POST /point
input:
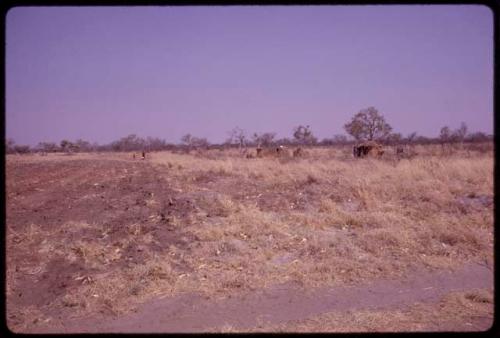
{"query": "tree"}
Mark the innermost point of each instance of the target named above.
(48, 147)
(154, 143)
(22, 149)
(284, 141)
(82, 145)
(128, 143)
(9, 146)
(186, 139)
(340, 139)
(303, 135)
(368, 124)
(477, 137)
(411, 137)
(66, 146)
(460, 133)
(237, 136)
(419, 139)
(264, 139)
(95, 146)
(445, 135)
(200, 142)
(194, 142)
(394, 138)
(337, 139)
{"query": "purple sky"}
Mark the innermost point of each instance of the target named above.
(103, 73)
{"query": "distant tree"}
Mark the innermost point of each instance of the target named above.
(264, 139)
(22, 149)
(368, 124)
(460, 134)
(411, 137)
(95, 146)
(9, 146)
(194, 142)
(82, 145)
(477, 137)
(419, 139)
(186, 139)
(200, 142)
(154, 143)
(237, 136)
(445, 135)
(337, 139)
(66, 146)
(187, 142)
(326, 142)
(48, 147)
(128, 143)
(303, 135)
(394, 138)
(284, 141)
(340, 139)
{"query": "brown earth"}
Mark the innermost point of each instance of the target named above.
(108, 192)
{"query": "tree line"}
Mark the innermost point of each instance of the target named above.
(367, 125)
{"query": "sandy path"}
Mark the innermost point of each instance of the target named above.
(192, 313)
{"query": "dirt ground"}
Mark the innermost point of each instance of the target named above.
(285, 308)
(108, 243)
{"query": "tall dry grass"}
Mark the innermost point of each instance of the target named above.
(358, 219)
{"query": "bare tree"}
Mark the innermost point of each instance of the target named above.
(187, 141)
(237, 136)
(368, 124)
(264, 139)
(194, 142)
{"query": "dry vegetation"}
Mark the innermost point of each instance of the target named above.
(102, 232)
(457, 311)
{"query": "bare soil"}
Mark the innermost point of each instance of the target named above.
(107, 192)
(190, 313)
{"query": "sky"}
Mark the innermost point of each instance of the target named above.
(101, 73)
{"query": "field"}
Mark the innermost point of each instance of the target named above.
(215, 242)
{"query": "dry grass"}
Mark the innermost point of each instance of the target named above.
(457, 311)
(366, 218)
(327, 219)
